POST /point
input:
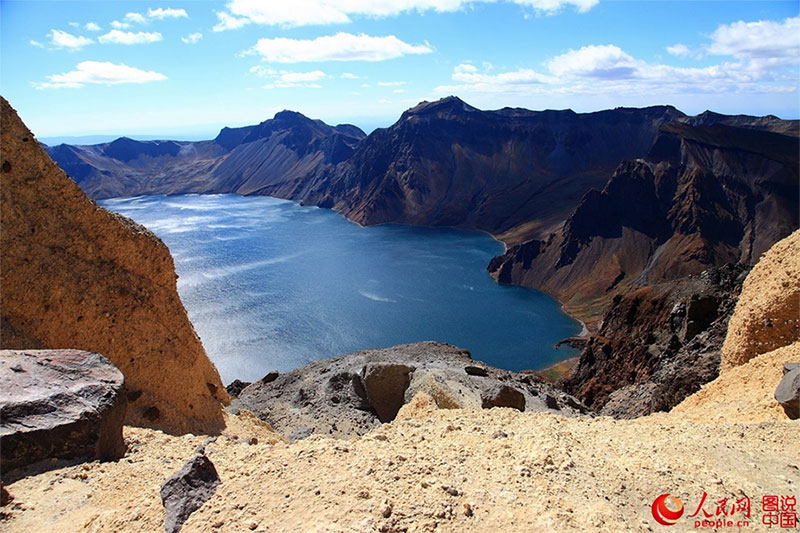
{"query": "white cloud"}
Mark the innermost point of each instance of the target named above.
(285, 79)
(37, 44)
(323, 12)
(162, 13)
(119, 25)
(399, 91)
(128, 37)
(339, 47)
(62, 39)
(608, 72)
(595, 61)
(551, 7)
(764, 39)
(100, 73)
(138, 18)
(92, 26)
(391, 83)
(349, 76)
(74, 24)
(192, 38)
(228, 22)
(679, 50)
(298, 77)
(472, 80)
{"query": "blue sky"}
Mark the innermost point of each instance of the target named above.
(185, 69)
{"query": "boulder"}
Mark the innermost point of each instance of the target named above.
(236, 387)
(186, 490)
(788, 392)
(386, 385)
(60, 404)
(503, 396)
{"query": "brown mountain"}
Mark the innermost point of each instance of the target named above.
(238, 160)
(704, 196)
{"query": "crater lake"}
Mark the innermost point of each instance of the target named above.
(272, 285)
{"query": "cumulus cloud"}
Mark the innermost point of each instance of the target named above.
(119, 25)
(679, 50)
(595, 61)
(192, 38)
(162, 13)
(391, 83)
(762, 39)
(99, 73)
(349, 76)
(128, 37)
(323, 12)
(471, 79)
(132, 17)
(62, 39)
(37, 44)
(756, 67)
(92, 26)
(339, 47)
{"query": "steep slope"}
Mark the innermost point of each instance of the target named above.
(767, 315)
(446, 163)
(76, 276)
(657, 344)
(705, 196)
(239, 160)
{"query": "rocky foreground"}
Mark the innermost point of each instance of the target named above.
(467, 469)
(447, 470)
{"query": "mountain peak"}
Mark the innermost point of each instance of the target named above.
(450, 105)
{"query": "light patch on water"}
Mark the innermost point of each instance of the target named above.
(375, 298)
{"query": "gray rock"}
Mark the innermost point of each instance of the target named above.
(788, 393)
(788, 367)
(186, 490)
(473, 370)
(236, 387)
(331, 396)
(386, 385)
(502, 396)
(59, 404)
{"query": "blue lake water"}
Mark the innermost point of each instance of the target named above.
(272, 285)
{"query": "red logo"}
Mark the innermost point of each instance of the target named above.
(664, 515)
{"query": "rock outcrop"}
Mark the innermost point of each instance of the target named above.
(704, 196)
(77, 276)
(352, 394)
(657, 344)
(59, 404)
(767, 315)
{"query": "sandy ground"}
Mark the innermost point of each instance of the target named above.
(448, 470)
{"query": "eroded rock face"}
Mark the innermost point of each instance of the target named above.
(78, 276)
(704, 196)
(767, 315)
(657, 344)
(59, 404)
(351, 394)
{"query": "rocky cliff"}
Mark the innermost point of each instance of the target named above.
(77, 276)
(704, 196)
(657, 344)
